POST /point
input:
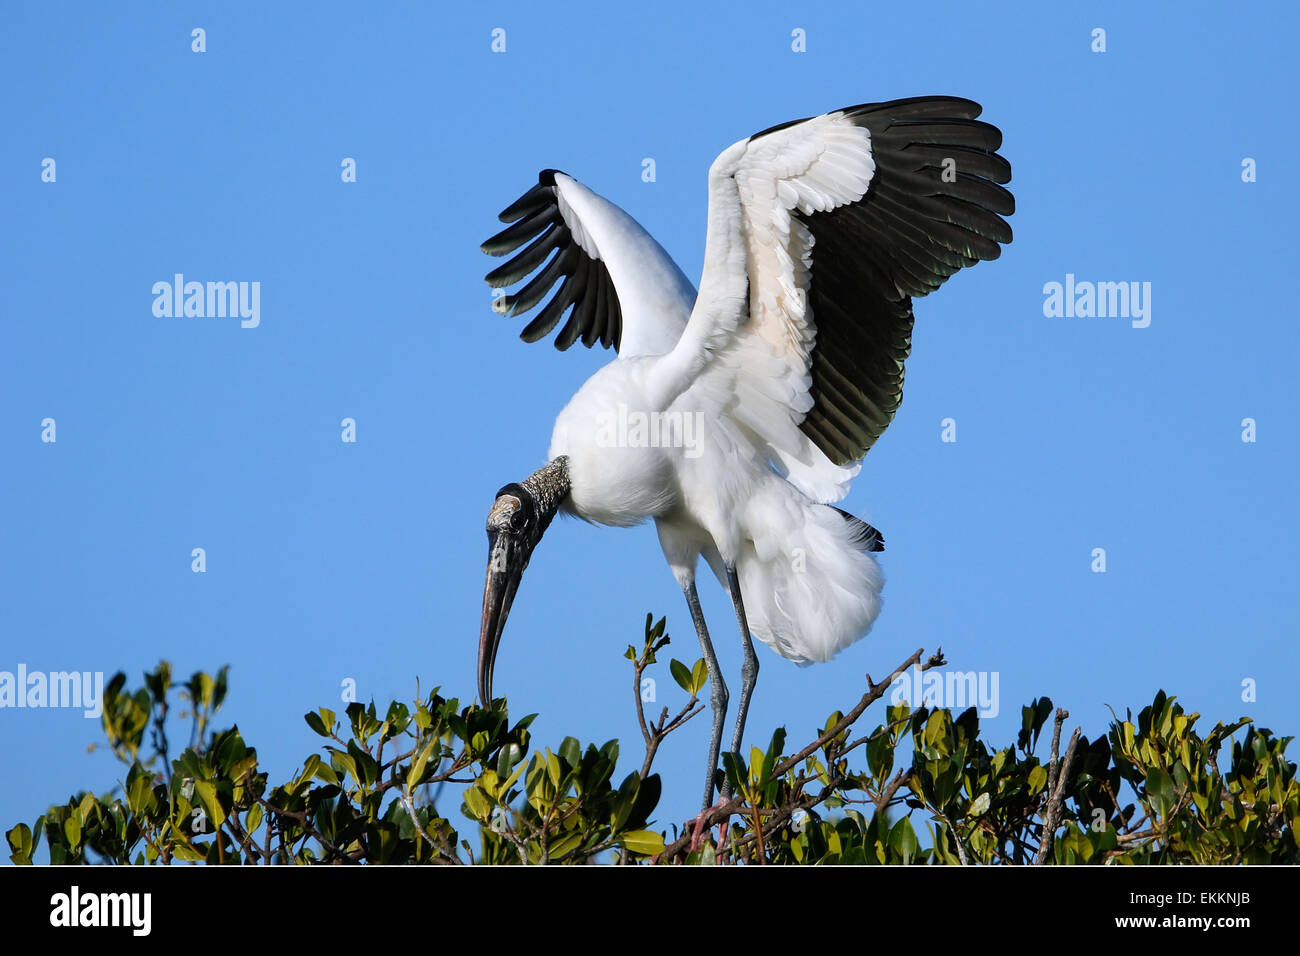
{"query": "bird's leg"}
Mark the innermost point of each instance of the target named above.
(748, 672)
(717, 688)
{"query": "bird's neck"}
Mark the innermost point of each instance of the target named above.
(548, 486)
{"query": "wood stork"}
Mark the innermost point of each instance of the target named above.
(789, 358)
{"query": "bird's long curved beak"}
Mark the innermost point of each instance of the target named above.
(507, 557)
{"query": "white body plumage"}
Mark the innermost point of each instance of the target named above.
(810, 590)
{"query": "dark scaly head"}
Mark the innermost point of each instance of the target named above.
(518, 519)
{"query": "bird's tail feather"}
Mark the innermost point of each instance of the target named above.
(810, 584)
(867, 537)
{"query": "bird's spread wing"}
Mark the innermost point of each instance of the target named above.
(619, 287)
(820, 232)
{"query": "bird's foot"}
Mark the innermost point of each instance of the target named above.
(699, 829)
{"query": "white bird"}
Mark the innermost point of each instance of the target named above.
(734, 416)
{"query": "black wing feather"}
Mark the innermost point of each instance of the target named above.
(904, 238)
(587, 293)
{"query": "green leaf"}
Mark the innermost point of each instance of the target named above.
(415, 775)
(479, 806)
(934, 729)
(571, 751)
(309, 768)
(880, 755)
(902, 840)
(139, 792)
(326, 773)
(207, 793)
(734, 766)
(624, 802)
(182, 851)
(646, 842)
(1037, 779)
(423, 719)
(1160, 791)
(681, 674)
(316, 723)
(699, 677)
(20, 841)
(566, 844)
(553, 769)
(344, 764)
(773, 755)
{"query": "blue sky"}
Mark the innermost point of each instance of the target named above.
(329, 561)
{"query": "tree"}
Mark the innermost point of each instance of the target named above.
(1150, 791)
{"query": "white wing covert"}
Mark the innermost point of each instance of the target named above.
(620, 288)
(820, 231)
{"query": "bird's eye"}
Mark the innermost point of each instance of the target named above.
(518, 519)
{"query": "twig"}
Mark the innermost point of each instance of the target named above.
(1057, 777)
(405, 797)
(1061, 717)
(883, 799)
(956, 838)
(873, 694)
(300, 817)
(654, 734)
(638, 667)
(780, 816)
(660, 731)
(725, 808)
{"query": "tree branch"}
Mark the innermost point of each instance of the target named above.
(1056, 780)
